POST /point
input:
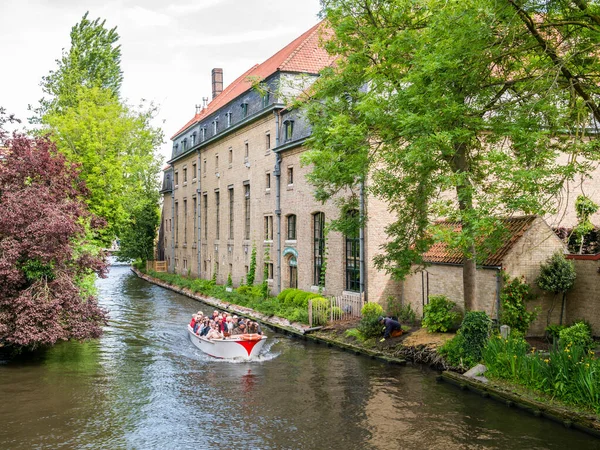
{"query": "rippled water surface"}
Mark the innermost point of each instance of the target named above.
(143, 385)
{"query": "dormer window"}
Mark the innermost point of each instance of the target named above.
(193, 138)
(288, 130)
(244, 109)
(215, 126)
(228, 119)
(203, 133)
(265, 99)
(183, 145)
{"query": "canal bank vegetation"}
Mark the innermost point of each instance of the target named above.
(290, 304)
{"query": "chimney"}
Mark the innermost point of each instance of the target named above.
(217, 82)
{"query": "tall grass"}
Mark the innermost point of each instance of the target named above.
(569, 373)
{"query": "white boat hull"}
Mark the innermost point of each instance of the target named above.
(230, 348)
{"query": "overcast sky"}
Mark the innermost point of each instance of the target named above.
(168, 47)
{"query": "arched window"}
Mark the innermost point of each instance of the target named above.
(319, 246)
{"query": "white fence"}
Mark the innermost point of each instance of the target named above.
(342, 307)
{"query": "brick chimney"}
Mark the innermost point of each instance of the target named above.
(217, 82)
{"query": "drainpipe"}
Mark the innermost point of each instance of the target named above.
(361, 238)
(277, 173)
(173, 219)
(198, 191)
(498, 289)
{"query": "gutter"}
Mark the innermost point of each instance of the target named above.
(277, 173)
(198, 214)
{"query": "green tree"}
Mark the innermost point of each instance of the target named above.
(138, 233)
(584, 208)
(426, 98)
(557, 275)
(114, 143)
(115, 146)
(93, 60)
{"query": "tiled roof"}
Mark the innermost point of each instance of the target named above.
(303, 55)
(515, 228)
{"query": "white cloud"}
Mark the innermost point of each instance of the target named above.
(194, 7)
(145, 18)
(210, 40)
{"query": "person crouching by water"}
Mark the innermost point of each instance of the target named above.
(392, 327)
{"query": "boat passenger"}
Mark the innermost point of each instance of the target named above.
(254, 328)
(228, 326)
(193, 321)
(207, 328)
(214, 333)
(240, 329)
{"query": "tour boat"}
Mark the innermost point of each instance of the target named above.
(242, 346)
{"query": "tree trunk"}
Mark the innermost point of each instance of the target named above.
(464, 193)
(562, 308)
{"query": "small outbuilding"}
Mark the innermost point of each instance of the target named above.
(527, 243)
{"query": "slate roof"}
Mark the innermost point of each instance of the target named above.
(303, 55)
(515, 226)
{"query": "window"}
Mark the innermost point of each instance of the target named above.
(183, 145)
(231, 212)
(293, 272)
(353, 257)
(193, 139)
(176, 223)
(184, 175)
(247, 211)
(291, 227)
(176, 179)
(246, 151)
(267, 141)
(268, 228)
(215, 126)
(268, 181)
(230, 155)
(203, 133)
(217, 214)
(228, 115)
(288, 130)
(216, 162)
(194, 172)
(204, 167)
(290, 175)
(319, 246)
(195, 218)
(184, 264)
(269, 269)
(184, 222)
(205, 216)
(244, 109)
(265, 98)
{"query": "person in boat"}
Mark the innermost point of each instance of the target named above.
(201, 325)
(214, 333)
(207, 327)
(193, 321)
(254, 328)
(240, 329)
(392, 327)
(228, 326)
(215, 314)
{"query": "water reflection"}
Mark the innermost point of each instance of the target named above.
(145, 385)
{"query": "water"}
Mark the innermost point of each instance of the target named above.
(143, 385)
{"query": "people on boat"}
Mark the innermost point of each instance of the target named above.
(222, 325)
(392, 327)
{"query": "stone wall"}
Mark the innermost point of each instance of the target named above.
(583, 301)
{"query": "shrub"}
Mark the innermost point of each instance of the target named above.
(229, 280)
(557, 275)
(577, 335)
(553, 332)
(440, 314)
(467, 346)
(356, 334)
(320, 310)
(289, 298)
(281, 296)
(372, 309)
(404, 313)
(513, 298)
(300, 300)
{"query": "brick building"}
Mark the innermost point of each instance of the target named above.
(235, 182)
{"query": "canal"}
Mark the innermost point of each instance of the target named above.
(143, 385)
